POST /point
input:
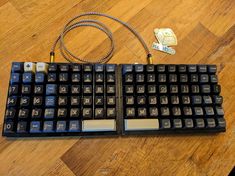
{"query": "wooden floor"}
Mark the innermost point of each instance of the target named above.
(205, 31)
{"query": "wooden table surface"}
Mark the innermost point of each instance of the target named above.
(205, 32)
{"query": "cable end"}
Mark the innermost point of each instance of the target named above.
(150, 59)
(52, 56)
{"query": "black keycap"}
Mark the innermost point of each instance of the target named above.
(38, 89)
(210, 122)
(177, 123)
(75, 89)
(63, 89)
(26, 89)
(99, 89)
(63, 77)
(74, 113)
(221, 122)
(87, 78)
(171, 68)
(204, 78)
(87, 100)
(140, 89)
(10, 113)
(185, 99)
(51, 77)
(12, 101)
(187, 111)
(166, 123)
(129, 89)
(162, 89)
(163, 100)
(212, 68)
(142, 112)
(161, 78)
(23, 113)
(216, 89)
(75, 101)
(183, 78)
(9, 127)
(99, 112)
(110, 89)
(195, 89)
(165, 111)
(152, 100)
(188, 123)
(110, 68)
(174, 100)
(63, 101)
(209, 111)
(99, 101)
(22, 127)
(182, 68)
(36, 113)
(200, 123)
(130, 112)
(76, 67)
(161, 68)
(37, 101)
(76, 78)
(140, 78)
(110, 78)
(127, 68)
(87, 89)
(151, 78)
(150, 68)
(52, 67)
(202, 68)
(13, 89)
(141, 100)
(192, 68)
(207, 99)
(174, 89)
(172, 78)
(139, 68)
(219, 111)
(87, 67)
(151, 89)
(111, 112)
(130, 100)
(153, 112)
(198, 111)
(87, 113)
(111, 100)
(24, 101)
(196, 99)
(194, 78)
(218, 99)
(64, 68)
(62, 113)
(176, 111)
(213, 78)
(99, 78)
(184, 89)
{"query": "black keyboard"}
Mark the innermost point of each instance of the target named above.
(64, 99)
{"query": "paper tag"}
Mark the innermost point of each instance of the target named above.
(165, 36)
(163, 48)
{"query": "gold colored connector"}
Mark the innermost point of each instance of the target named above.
(52, 57)
(150, 59)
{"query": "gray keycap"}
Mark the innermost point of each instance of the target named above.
(74, 126)
(209, 111)
(221, 122)
(207, 99)
(198, 111)
(219, 111)
(48, 127)
(177, 123)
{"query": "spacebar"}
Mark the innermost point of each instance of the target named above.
(98, 125)
(141, 124)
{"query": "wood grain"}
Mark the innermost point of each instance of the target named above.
(205, 31)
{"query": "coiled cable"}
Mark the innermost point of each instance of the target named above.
(69, 56)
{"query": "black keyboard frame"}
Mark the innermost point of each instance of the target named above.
(119, 119)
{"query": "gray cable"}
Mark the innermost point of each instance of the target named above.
(67, 54)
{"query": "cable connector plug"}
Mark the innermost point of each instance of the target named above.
(52, 56)
(150, 58)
